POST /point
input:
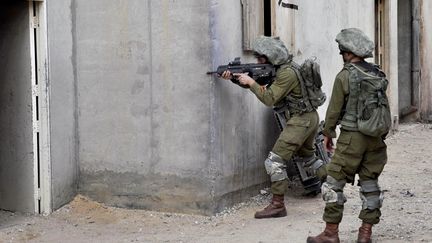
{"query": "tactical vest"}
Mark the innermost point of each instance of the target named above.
(367, 109)
(298, 104)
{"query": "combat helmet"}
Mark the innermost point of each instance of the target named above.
(273, 48)
(355, 41)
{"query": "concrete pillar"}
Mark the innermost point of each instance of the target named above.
(391, 56)
(426, 61)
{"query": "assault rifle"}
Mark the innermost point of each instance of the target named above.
(263, 74)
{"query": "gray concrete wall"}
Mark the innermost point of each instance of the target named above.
(405, 59)
(426, 61)
(16, 143)
(144, 103)
(242, 129)
(62, 82)
(318, 23)
(154, 131)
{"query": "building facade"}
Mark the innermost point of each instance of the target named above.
(111, 99)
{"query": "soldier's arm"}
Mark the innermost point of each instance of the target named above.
(283, 84)
(337, 100)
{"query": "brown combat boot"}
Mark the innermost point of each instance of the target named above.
(364, 234)
(274, 210)
(329, 235)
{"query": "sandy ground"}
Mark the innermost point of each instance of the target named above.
(407, 212)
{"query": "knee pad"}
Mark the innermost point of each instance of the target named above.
(332, 191)
(275, 167)
(371, 195)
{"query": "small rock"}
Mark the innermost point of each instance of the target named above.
(407, 193)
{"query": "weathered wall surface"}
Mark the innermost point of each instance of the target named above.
(405, 59)
(144, 103)
(154, 130)
(16, 145)
(61, 82)
(316, 27)
(426, 61)
(242, 129)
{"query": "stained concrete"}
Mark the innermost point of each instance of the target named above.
(426, 61)
(153, 126)
(63, 98)
(148, 111)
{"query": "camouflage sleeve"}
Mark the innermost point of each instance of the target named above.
(337, 101)
(283, 84)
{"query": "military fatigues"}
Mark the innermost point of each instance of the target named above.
(299, 134)
(355, 154)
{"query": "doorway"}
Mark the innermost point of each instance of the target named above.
(408, 59)
(24, 177)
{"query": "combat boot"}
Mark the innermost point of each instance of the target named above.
(365, 233)
(274, 210)
(329, 235)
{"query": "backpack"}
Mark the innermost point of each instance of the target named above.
(310, 79)
(373, 111)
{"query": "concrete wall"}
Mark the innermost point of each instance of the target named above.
(318, 23)
(391, 57)
(144, 103)
(242, 130)
(426, 62)
(405, 44)
(154, 130)
(136, 122)
(62, 82)
(16, 143)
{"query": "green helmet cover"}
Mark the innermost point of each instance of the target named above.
(273, 48)
(355, 41)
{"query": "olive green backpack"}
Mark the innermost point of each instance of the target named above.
(367, 103)
(310, 80)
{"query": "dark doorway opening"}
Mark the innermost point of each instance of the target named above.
(267, 18)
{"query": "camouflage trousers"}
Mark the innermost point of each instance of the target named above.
(356, 154)
(298, 137)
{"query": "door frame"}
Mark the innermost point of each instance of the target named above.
(386, 17)
(40, 106)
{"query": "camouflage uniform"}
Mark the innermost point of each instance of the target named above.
(355, 152)
(299, 134)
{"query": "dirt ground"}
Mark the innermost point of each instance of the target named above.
(407, 211)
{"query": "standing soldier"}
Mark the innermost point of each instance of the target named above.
(302, 124)
(356, 152)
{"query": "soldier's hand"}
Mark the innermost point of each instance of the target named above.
(328, 144)
(227, 75)
(244, 79)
